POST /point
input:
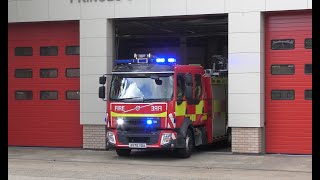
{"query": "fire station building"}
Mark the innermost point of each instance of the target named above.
(57, 49)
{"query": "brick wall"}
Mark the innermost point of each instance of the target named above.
(94, 137)
(246, 140)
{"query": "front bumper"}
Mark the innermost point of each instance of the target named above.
(153, 140)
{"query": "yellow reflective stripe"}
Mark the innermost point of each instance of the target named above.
(181, 109)
(113, 114)
(205, 117)
(216, 106)
(192, 117)
(199, 107)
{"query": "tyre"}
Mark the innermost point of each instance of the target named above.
(187, 151)
(123, 152)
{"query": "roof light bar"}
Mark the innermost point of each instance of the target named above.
(146, 58)
(160, 60)
(172, 60)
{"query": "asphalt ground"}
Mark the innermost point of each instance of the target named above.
(210, 162)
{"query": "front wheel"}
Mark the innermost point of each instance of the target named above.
(187, 151)
(123, 152)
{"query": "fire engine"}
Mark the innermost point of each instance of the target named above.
(154, 103)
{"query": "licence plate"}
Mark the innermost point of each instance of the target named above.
(137, 145)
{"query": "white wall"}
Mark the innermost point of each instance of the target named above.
(96, 56)
(246, 43)
(53, 10)
(246, 69)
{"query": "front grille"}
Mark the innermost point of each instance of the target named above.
(135, 122)
(138, 139)
(149, 138)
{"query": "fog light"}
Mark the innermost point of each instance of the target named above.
(111, 137)
(165, 139)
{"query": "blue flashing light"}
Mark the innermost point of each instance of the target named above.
(172, 60)
(149, 121)
(160, 60)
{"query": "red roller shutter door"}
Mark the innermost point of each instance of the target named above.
(288, 107)
(40, 113)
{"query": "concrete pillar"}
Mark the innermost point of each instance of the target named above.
(96, 59)
(246, 81)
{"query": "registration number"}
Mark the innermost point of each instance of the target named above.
(137, 145)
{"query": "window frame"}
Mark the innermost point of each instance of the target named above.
(294, 68)
(197, 99)
(73, 46)
(305, 67)
(305, 43)
(15, 51)
(294, 44)
(181, 75)
(294, 97)
(41, 91)
(305, 94)
(15, 74)
(31, 98)
(66, 95)
(48, 69)
(66, 73)
(41, 47)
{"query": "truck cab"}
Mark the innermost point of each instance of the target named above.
(153, 103)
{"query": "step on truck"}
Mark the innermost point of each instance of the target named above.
(154, 103)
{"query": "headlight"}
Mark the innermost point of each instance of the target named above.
(120, 121)
(165, 139)
(111, 137)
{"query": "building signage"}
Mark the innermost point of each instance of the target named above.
(92, 1)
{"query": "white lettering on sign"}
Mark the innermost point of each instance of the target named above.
(90, 1)
(156, 108)
(119, 108)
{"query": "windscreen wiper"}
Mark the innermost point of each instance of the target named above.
(131, 98)
(158, 99)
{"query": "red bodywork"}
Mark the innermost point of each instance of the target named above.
(166, 109)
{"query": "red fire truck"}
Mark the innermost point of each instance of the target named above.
(154, 103)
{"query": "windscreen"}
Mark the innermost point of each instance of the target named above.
(142, 87)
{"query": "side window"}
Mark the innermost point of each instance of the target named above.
(72, 50)
(23, 51)
(48, 95)
(180, 86)
(23, 73)
(308, 43)
(73, 95)
(24, 95)
(198, 88)
(73, 72)
(308, 68)
(308, 94)
(49, 51)
(282, 69)
(48, 73)
(282, 95)
(282, 44)
(189, 88)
